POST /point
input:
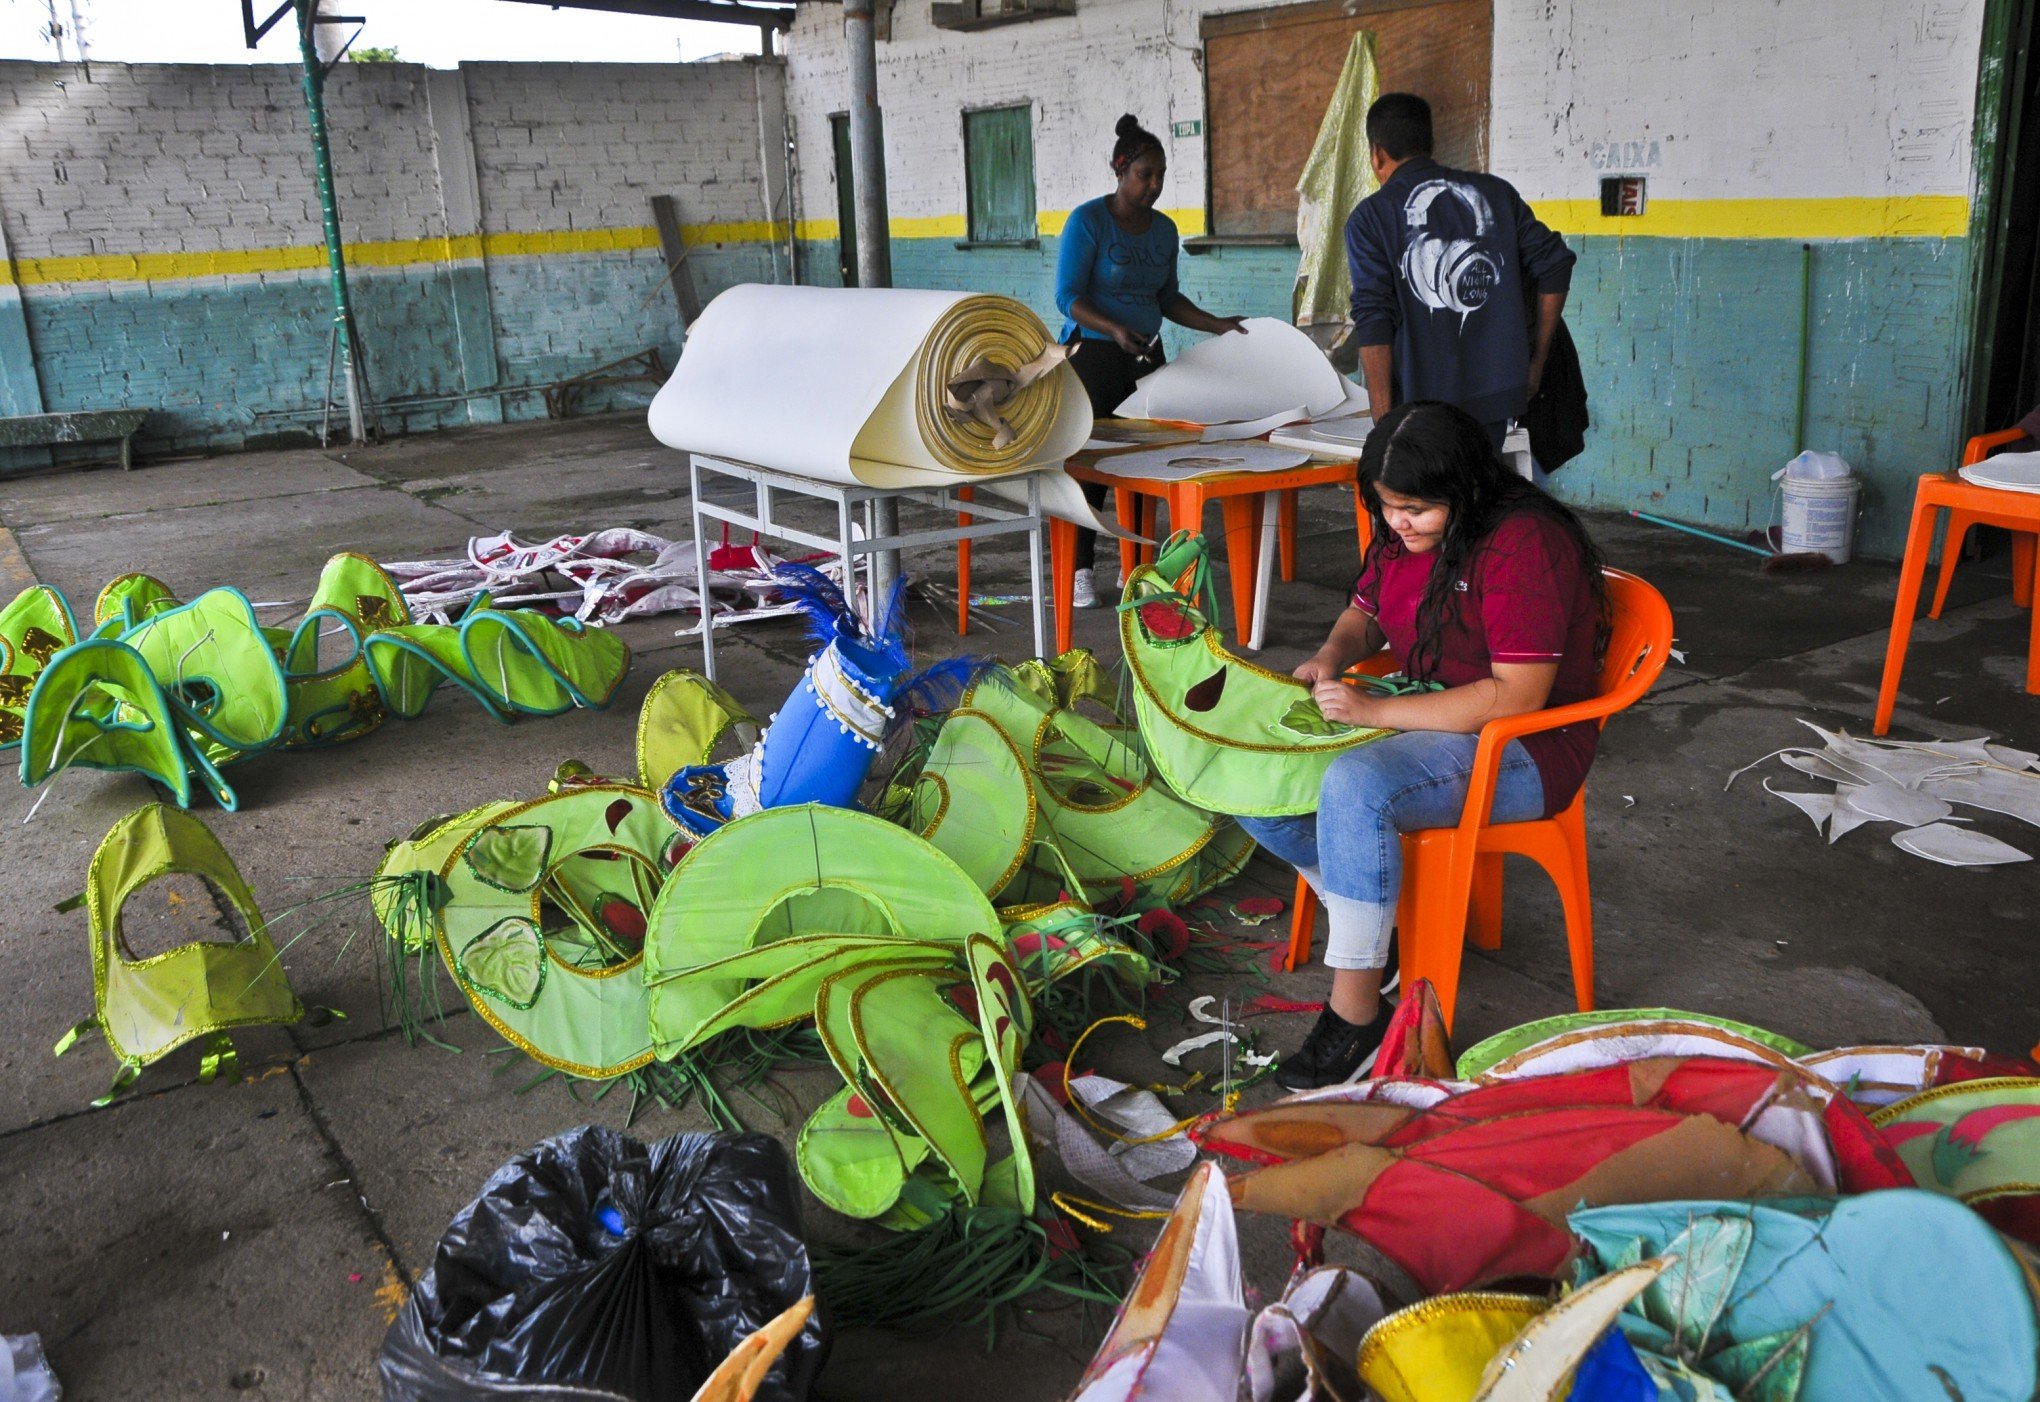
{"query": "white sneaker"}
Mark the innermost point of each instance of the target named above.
(1085, 593)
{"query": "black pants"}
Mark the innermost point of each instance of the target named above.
(1108, 374)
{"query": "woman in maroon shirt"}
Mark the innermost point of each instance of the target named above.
(1487, 589)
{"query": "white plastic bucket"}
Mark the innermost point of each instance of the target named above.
(1820, 516)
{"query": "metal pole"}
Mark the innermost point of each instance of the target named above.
(329, 218)
(874, 238)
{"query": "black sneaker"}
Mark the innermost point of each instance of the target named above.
(1335, 1053)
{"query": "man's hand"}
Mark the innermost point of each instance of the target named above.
(1348, 705)
(1230, 323)
(1536, 376)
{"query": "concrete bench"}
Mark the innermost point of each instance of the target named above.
(85, 426)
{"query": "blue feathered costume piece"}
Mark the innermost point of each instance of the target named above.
(820, 746)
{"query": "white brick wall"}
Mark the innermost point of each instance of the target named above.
(1737, 99)
(154, 158)
(1744, 99)
(1079, 73)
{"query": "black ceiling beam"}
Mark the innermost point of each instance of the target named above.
(714, 11)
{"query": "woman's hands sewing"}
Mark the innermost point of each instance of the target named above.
(1346, 704)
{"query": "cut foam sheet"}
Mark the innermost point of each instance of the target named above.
(1251, 428)
(1818, 806)
(845, 385)
(1957, 847)
(2009, 472)
(1340, 438)
(1198, 460)
(1888, 802)
(2006, 791)
(1234, 377)
(1846, 818)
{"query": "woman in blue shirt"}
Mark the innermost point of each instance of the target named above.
(1115, 281)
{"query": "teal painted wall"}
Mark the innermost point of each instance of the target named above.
(1691, 354)
(234, 361)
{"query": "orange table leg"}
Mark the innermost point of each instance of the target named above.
(1062, 564)
(1363, 521)
(2025, 554)
(2032, 581)
(1910, 575)
(1150, 519)
(963, 567)
(1127, 506)
(1285, 535)
(1242, 548)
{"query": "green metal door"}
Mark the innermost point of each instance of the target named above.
(998, 158)
(846, 202)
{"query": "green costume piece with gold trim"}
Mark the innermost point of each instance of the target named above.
(1227, 735)
(147, 1008)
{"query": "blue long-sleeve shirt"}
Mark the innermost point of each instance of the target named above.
(1126, 276)
(1440, 259)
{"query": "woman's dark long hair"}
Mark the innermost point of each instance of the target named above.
(1434, 452)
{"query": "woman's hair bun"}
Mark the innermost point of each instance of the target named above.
(1128, 126)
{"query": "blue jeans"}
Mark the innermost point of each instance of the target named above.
(1351, 848)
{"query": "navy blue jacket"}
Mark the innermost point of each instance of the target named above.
(1440, 259)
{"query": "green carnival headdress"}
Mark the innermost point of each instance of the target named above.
(1226, 735)
(147, 1008)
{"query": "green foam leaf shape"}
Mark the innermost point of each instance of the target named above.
(510, 857)
(507, 962)
(1304, 717)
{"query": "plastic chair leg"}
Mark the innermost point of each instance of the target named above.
(1575, 895)
(2033, 640)
(1302, 924)
(963, 568)
(1959, 523)
(2025, 554)
(1484, 911)
(1434, 941)
(1910, 574)
(1285, 535)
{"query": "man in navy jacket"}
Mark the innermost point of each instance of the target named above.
(1440, 260)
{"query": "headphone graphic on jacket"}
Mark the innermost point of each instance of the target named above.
(1449, 274)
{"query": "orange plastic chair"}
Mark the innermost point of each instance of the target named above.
(1959, 522)
(1969, 504)
(1452, 877)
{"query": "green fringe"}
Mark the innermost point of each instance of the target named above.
(961, 1269)
(740, 1061)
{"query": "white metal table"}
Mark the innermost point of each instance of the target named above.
(990, 516)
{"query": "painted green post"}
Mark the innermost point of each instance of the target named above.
(329, 217)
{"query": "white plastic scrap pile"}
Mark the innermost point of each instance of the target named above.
(608, 576)
(1917, 784)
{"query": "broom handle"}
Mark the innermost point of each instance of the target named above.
(1704, 535)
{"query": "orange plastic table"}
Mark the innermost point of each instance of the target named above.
(1240, 499)
(1983, 506)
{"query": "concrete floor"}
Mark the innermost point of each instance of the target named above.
(252, 1239)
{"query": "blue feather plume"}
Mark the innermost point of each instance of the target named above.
(819, 598)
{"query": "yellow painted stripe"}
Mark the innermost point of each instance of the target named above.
(1910, 216)
(392, 253)
(1900, 216)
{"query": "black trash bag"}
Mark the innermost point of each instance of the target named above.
(594, 1266)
